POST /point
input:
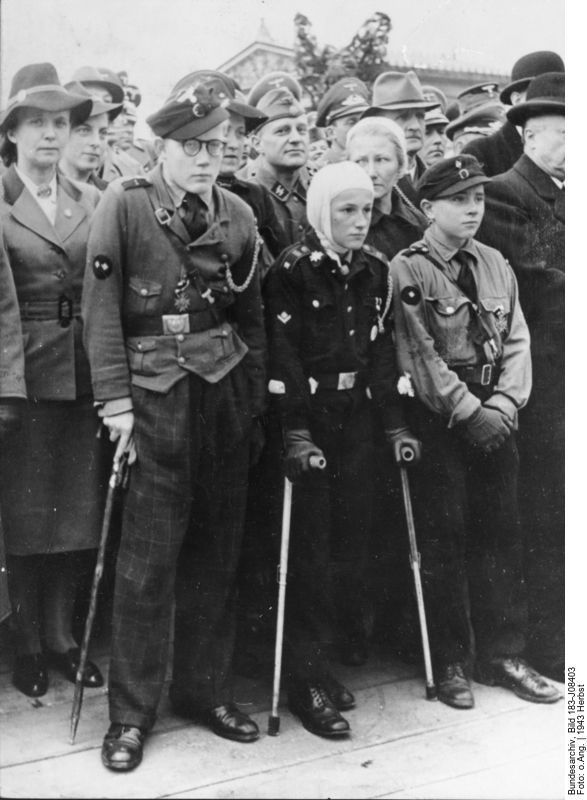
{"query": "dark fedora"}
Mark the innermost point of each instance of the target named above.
(98, 106)
(100, 76)
(38, 86)
(528, 67)
(396, 91)
(545, 95)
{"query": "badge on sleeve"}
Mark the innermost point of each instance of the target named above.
(411, 295)
(102, 267)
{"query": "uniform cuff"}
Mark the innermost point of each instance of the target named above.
(111, 408)
(464, 409)
(503, 403)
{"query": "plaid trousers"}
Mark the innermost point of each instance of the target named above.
(180, 545)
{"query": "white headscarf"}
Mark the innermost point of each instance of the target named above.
(327, 184)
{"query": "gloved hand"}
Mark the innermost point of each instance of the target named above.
(298, 449)
(11, 415)
(487, 428)
(257, 440)
(399, 439)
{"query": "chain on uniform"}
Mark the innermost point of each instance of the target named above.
(243, 286)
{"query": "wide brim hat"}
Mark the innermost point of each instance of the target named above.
(528, 67)
(450, 176)
(194, 109)
(545, 95)
(101, 77)
(396, 91)
(98, 106)
(38, 86)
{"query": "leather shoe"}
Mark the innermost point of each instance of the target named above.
(122, 748)
(517, 675)
(453, 686)
(67, 663)
(354, 653)
(316, 711)
(231, 723)
(342, 698)
(30, 675)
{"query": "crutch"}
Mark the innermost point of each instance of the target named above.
(407, 455)
(118, 477)
(316, 462)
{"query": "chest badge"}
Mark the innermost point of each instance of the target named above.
(284, 317)
(316, 256)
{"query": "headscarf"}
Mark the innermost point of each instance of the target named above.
(328, 183)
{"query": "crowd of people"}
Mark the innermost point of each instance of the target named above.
(258, 289)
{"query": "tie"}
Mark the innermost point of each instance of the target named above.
(465, 280)
(194, 216)
(44, 190)
(559, 205)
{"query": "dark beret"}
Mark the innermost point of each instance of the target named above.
(449, 176)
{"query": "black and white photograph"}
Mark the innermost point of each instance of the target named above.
(291, 497)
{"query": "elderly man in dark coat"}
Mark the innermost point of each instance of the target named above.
(499, 151)
(525, 220)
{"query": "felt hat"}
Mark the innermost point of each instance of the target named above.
(528, 67)
(101, 76)
(545, 95)
(396, 91)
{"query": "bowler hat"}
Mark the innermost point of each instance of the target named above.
(278, 104)
(195, 109)
(528, 67)
(98, 106)
(347, 96)
(478, 102)
(545, 95)
(395, 91)
(101, 76)
(274, 80)
(236, 99)
(449, 176)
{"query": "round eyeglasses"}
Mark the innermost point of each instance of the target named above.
(191, 147)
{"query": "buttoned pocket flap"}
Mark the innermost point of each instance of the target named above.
(447, 306)
(141, 345)
(144, 288)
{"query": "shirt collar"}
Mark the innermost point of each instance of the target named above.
(560, 184)
(33, 187)
(448, 252)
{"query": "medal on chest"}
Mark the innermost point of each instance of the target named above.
(182, 301)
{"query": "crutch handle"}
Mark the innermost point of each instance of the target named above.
(317, 462)
(407, 453)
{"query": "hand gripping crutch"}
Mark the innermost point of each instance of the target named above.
(408, 455)
(316, 462)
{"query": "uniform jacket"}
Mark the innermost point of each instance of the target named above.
(393, 232)
(499, 151)
(322, 323)
(290, 206)
(48, 266)
(434, 332)
(11, 351)
(118, 164)
(136, 258)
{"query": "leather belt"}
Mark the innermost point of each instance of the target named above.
(482, 374)
(173, 324)
(336, 380)
(62, 310)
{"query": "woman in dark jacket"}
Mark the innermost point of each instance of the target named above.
(50, 489)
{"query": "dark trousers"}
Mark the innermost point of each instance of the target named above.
(331, 522)
(181, 538)
(468, 532)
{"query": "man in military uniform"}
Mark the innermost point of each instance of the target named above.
(281, 142)
(337, 112)
(175, 337)
(462, 341)
(481, 114)
(435, 140)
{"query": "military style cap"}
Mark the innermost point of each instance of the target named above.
(102, 77)
(528, 67)
(545, 95)
(280, 103)
(37, 86)
(396, 91)
(274, 80)
(449, 176)
(479, 106)
(347, 96)
(236, 99)
(195, 109)
(435, 116)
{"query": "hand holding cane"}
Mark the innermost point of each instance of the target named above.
(314, 462)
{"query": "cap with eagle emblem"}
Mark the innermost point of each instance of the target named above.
(192, 110)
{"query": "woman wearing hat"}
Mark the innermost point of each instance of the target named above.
(50, 489)
(462, 339)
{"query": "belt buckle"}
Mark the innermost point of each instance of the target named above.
(486, 373)
(346, 380)
(64, 311)
(176, 323)
(163, 216)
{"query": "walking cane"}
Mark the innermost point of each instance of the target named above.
(407, 455)
(316, 462)
(118, 477)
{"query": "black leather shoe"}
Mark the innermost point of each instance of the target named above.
(30, 675)
(67, 663)
(317, 711)
(231, 723)
(122, 748)
(354, 653)
(342, 698)
(517, 675)
(453, 687)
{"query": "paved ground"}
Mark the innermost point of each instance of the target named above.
(402, 746)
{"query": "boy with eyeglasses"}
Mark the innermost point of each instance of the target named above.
(175, 337)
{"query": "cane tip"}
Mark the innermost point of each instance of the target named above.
(431, 693)
(273, 727)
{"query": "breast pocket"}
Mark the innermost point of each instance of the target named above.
(496, 311)
(450, 320)
(143, 296)
(320, 319)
